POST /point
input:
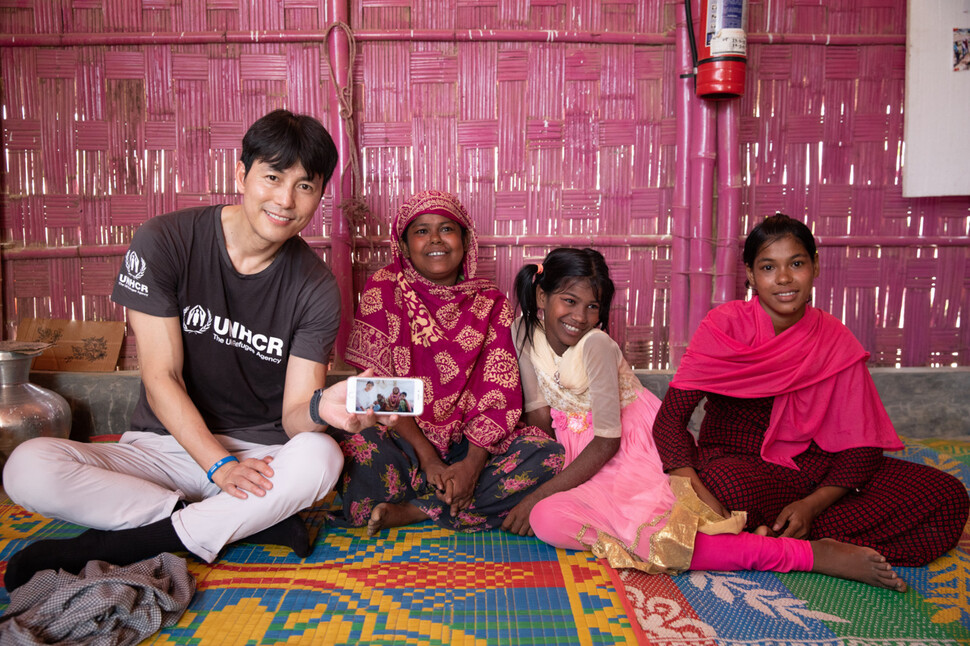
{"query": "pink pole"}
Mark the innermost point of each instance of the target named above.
(341, 262)
(82, 39)
(14, 254)
(625, 241)
(516, 35)
(318, 242)
(703, 157)
(73, 251)
(680, 209)
(242, 37)
(850, 40)
(728, 200)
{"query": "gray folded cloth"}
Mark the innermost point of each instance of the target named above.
(102, 605)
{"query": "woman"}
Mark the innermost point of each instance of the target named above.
(794, 430)
(394, 399)
(466, 461)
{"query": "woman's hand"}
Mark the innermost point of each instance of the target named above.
(428, 459)
(701, 490)
(434, 470)
(795, 520)
(460, 480)
(517, 522)
(252, 475)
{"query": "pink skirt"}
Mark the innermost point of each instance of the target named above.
(627, 505)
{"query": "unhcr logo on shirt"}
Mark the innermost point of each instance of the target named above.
(197, 319)
(135, 267)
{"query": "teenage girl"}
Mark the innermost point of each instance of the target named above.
(794, 430)
(613, 496)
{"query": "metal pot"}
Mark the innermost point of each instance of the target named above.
(27, 410)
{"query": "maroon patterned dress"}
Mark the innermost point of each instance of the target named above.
(457, 339)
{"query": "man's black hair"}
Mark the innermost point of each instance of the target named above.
(281, 139)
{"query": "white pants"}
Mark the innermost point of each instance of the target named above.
(140, 479)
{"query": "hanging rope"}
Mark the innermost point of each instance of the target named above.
(353, 206)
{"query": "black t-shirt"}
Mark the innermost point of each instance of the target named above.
(237, 330)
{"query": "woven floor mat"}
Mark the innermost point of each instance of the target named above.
(802, 609)
(416, 585)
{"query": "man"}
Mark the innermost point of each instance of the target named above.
(365, 401)
(234, 318)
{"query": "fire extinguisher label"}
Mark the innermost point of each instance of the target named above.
(728, 42)
(725, 27)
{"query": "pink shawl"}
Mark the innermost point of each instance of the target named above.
(456, 339)
(815, 370)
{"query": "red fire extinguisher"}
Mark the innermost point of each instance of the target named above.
(720, 49)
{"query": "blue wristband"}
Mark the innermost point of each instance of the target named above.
(215, 467)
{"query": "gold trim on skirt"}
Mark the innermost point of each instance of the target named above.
(672, 546)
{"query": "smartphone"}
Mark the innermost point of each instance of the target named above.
(385, 395)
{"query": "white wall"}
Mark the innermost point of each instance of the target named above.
(937, 109)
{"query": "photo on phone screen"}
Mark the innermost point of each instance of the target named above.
(385, 395)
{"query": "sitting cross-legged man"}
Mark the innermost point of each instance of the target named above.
(234, 317)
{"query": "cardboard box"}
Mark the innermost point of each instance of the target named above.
(79, 346)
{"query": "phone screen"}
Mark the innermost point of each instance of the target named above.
(385, 395)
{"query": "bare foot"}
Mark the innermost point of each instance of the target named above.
(855, 563)
(389, 514)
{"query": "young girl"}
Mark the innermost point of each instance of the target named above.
(613, 496)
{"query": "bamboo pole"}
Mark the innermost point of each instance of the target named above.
(543, 241)
(728, 200)
(317, 242)
(425, 35)
(342, 184)
(243, 37)
(703, 156)
(680, 209)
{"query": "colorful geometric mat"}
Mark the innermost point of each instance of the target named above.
(422, 585)
(755, 608)
(419, 585)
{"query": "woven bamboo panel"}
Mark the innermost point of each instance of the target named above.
(545, 142)
(99, 138)
(822, 131)
(162, 16)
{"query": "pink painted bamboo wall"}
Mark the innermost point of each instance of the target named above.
(549, 134)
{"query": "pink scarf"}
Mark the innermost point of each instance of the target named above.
(815, 370)
(456, 339)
